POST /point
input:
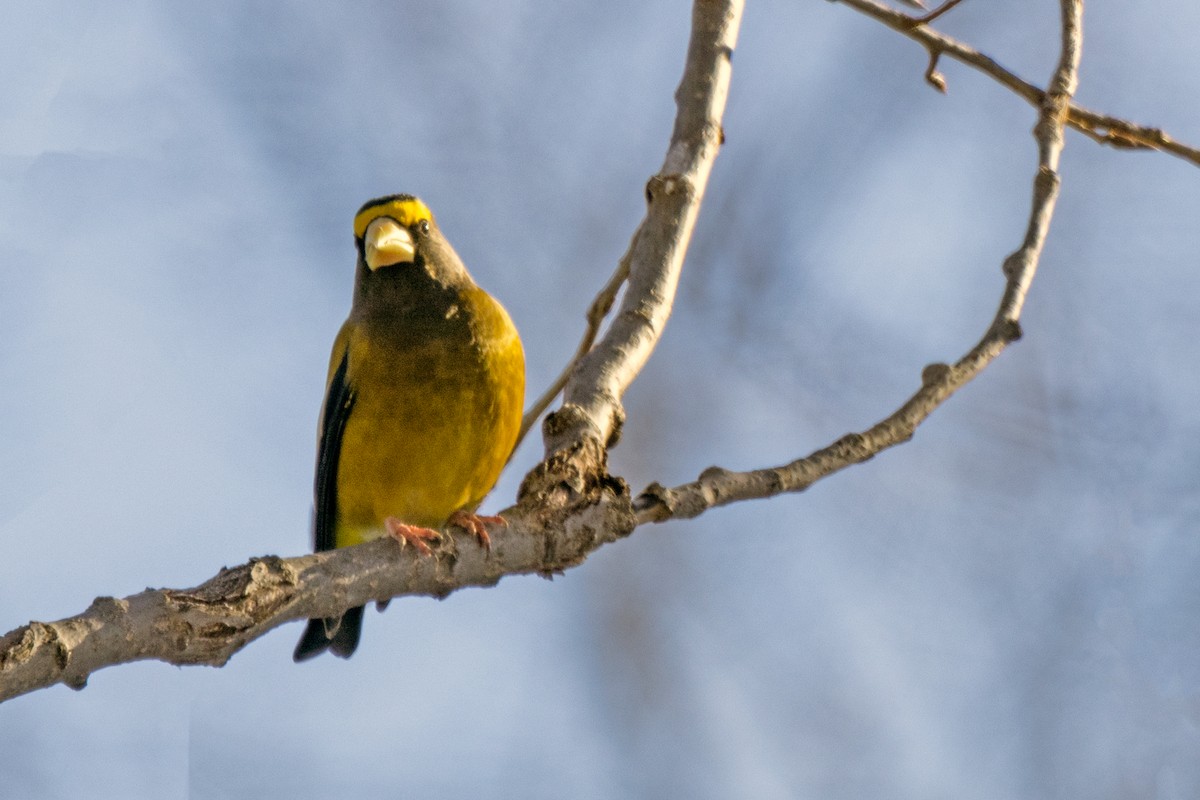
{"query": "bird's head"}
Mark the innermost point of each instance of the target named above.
(388, 230)
(404, 262)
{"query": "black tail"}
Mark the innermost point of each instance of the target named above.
(337, 635)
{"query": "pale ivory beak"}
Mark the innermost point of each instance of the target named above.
(386, 243)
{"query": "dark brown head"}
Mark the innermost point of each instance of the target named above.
(403, 259)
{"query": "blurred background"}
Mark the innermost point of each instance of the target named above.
(1005, 607)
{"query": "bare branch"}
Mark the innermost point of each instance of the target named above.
(717, 487)
(211, 622)
(592, 398)
(1101, 128)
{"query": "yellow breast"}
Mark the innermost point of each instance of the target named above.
(433, 421)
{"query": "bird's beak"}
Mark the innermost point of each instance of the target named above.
(386, 243)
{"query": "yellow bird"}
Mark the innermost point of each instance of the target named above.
(422, 404)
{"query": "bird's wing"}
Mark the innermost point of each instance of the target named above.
(339, 400)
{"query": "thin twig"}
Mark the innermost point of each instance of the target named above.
(717, 487)
(1101, 128)
(596, 313)
(937, 12)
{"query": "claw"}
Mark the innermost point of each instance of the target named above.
(476, 525)
(411, 534)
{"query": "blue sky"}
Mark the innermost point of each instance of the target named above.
(1004, 607)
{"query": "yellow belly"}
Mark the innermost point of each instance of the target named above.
(430, 430)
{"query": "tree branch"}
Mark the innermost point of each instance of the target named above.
(1101, 128)
(209, 623)
(592, 398)
(717, 486)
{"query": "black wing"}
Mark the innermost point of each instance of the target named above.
(338, 402)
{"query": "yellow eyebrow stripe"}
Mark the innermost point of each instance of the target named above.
(408, 211)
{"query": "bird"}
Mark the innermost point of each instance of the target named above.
(423, 400)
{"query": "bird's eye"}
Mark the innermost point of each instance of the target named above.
(424, 226)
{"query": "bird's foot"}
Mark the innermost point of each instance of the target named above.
(476, 525)
(411, 534)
